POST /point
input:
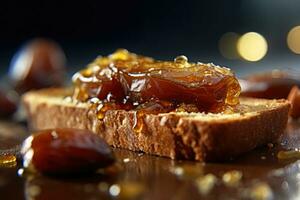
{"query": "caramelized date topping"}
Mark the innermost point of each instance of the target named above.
(128, 81)
(65, 151)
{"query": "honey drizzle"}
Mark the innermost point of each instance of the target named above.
(139, 123)
(8, 161)
(289, 154)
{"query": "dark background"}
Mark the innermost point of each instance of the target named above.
(162, 29)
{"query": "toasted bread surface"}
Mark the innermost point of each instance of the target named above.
(178, 135)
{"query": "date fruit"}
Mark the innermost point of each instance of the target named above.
(274, 84)
(8, 105)
(65, 151)
(39, 64)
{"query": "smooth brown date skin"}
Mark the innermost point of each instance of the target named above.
(40, 64)
(7, 105)
(65, 151)
(270, 85)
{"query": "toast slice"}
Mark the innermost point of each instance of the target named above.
(177, 135)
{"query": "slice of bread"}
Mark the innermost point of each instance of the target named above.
(178, 135)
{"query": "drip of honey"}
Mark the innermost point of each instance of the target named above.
(138, 121)
(8, 161)
(127, 81)
(291, 154)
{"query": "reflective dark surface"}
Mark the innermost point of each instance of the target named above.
(140, 176)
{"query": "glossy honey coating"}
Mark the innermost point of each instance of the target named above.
(127, 81)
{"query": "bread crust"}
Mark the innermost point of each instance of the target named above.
(195, 136)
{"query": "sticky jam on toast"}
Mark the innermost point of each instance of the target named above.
(124, 80)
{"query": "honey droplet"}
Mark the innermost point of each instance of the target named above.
(8, 161)
(100, 115)
(101, 110)
(138, 121)
(292, 154)
(181, 59)
(120, 54)
(87, 72)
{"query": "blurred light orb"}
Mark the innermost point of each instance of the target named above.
(293, 39)
(252, 46)
(228, 45)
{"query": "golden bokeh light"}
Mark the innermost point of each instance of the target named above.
(252, 46)
(293, 39)
(227, 45)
